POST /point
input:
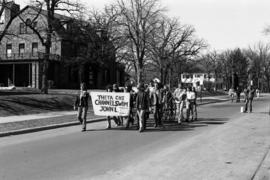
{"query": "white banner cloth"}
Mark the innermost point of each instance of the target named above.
(110, 103)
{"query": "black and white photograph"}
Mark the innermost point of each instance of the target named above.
(134, 90)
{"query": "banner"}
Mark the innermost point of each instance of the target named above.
(110, 103)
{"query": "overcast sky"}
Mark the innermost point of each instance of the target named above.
(224, 24)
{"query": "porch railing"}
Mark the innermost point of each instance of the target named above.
(28, 56)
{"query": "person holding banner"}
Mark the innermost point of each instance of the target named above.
(81, 104)
(130, 118)
(142, 105)
(117, 119)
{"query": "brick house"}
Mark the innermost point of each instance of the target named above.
(22, 55)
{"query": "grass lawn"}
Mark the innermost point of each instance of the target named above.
(21, 102)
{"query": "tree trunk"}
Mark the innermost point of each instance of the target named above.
(268, 84)
(161, 74)
(165, 76)
(81, 74)
(44, 88)
(139, 74)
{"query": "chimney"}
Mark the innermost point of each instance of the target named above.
(11, 10)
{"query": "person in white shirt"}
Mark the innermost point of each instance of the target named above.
(180, 97)
(191, 98)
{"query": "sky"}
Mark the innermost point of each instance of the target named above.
(223, 24)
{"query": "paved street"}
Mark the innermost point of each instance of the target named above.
(223, 144)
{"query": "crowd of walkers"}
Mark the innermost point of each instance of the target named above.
(145, 99)
(157, 99)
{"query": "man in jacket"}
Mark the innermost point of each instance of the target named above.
(156, 99)
(250, 96)
(142, 104)
(81, 104)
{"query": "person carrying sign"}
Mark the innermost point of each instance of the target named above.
(81, 104)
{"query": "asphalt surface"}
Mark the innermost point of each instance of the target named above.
(219, 146)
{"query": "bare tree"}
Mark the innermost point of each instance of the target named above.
(172, 43)
(259, 62)
(138, 20)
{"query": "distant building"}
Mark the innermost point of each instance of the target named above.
(22, 55)
(201, 79)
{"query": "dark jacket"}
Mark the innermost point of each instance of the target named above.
(82, 101)
(251, 93)
(142, 100)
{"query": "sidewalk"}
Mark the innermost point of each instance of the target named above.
(12, 125)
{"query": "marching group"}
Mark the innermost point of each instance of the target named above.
(153, 98)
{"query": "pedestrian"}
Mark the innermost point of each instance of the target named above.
(81, 104)
(238, 93)
(250, 96)
(180, 98)
(117, 119)
(257, 92)
(167, 101)
(245, 94)
(109, 88)
(231, 94)
(155, 99)
(191, 97)
(131, 117)
(195, 104)
(142, 104)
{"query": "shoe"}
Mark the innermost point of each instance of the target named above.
(83, 130)
(109, 127)
(140, 130)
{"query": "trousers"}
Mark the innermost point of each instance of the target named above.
(81, 115)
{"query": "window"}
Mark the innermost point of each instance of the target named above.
(25, 26)
(34, 49)
(21, 49)
(22, 28)
(9, 50)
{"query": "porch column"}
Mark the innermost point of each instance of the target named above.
(35, 75)
(29, 75)
(13, 74)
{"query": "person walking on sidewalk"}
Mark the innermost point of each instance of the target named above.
(81, 104)
(250, 96)
(142, 104)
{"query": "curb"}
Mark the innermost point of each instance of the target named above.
(55, 126)
(48, 127)
(263, 170)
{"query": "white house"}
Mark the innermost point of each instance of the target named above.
(199, 79)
